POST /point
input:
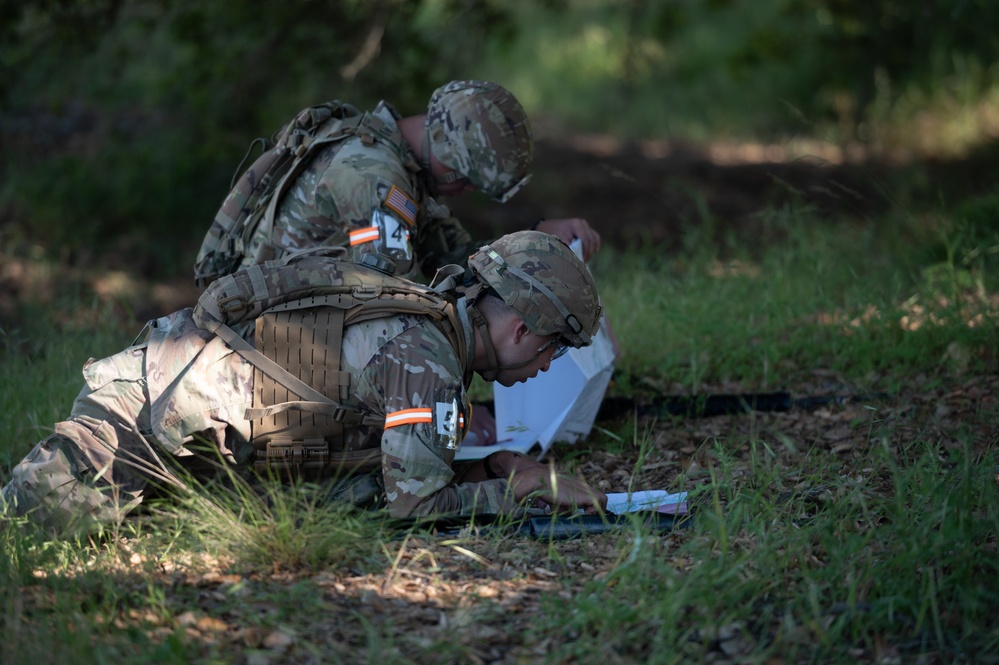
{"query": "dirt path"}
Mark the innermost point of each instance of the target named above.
(639, 193)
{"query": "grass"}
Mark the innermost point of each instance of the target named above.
(820, 297)
(810, 575)
(41, 361)
(877, 546)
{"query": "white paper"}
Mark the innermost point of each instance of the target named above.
(559, 405)
(467, 453)
(661, 500)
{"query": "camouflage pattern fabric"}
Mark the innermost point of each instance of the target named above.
(149, 401)
(544, 282)
(348, 188)
(88, 472)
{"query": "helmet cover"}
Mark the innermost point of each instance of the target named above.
(479, 130)
(541, 279)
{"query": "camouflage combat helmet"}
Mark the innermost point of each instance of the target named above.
(480, 130)
(539, 277)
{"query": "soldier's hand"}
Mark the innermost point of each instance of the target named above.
(548, 489)
(566, 494)
(569, 229)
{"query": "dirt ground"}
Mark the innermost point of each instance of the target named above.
(641, 193)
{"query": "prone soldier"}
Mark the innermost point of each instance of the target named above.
(331, 368)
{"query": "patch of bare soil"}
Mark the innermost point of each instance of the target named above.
(640, 193)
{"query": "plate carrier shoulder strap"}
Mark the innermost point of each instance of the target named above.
(300, 308)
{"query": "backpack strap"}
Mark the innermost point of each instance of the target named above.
(300, 307)
(223, 246)
(369, 128)
(303, 434)
(297, 424)
(314, 400)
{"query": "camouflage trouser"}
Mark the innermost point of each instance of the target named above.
(100, 462)
(96, 465)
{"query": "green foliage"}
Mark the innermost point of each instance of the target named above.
(273, 525)
(895, 44)
(41, 363)
(133, 114)
(138, 119)
(774, 69)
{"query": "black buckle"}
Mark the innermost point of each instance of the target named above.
(294, 455)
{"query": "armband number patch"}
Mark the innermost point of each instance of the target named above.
(450, 419)
(395, 235)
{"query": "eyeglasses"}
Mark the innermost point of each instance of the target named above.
(560, 350)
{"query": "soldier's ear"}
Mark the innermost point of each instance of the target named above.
(520, 330)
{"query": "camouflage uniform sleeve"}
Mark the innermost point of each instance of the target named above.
(420, 383)
(370, 195)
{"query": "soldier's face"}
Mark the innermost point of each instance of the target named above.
(534, 351)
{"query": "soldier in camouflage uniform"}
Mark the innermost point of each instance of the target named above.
(521, 302)
(378, 191)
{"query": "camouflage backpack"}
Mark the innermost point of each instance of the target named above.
(298, 307)
(254, 198)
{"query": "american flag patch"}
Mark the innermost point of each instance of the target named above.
(402, 204)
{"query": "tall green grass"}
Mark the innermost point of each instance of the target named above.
(42, 352)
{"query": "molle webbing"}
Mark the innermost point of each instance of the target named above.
(306, 343)
(304, 338)
(300, 307)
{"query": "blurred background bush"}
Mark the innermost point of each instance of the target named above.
(124, 120)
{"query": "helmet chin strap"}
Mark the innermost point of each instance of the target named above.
(493, 367)
(479, 321)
